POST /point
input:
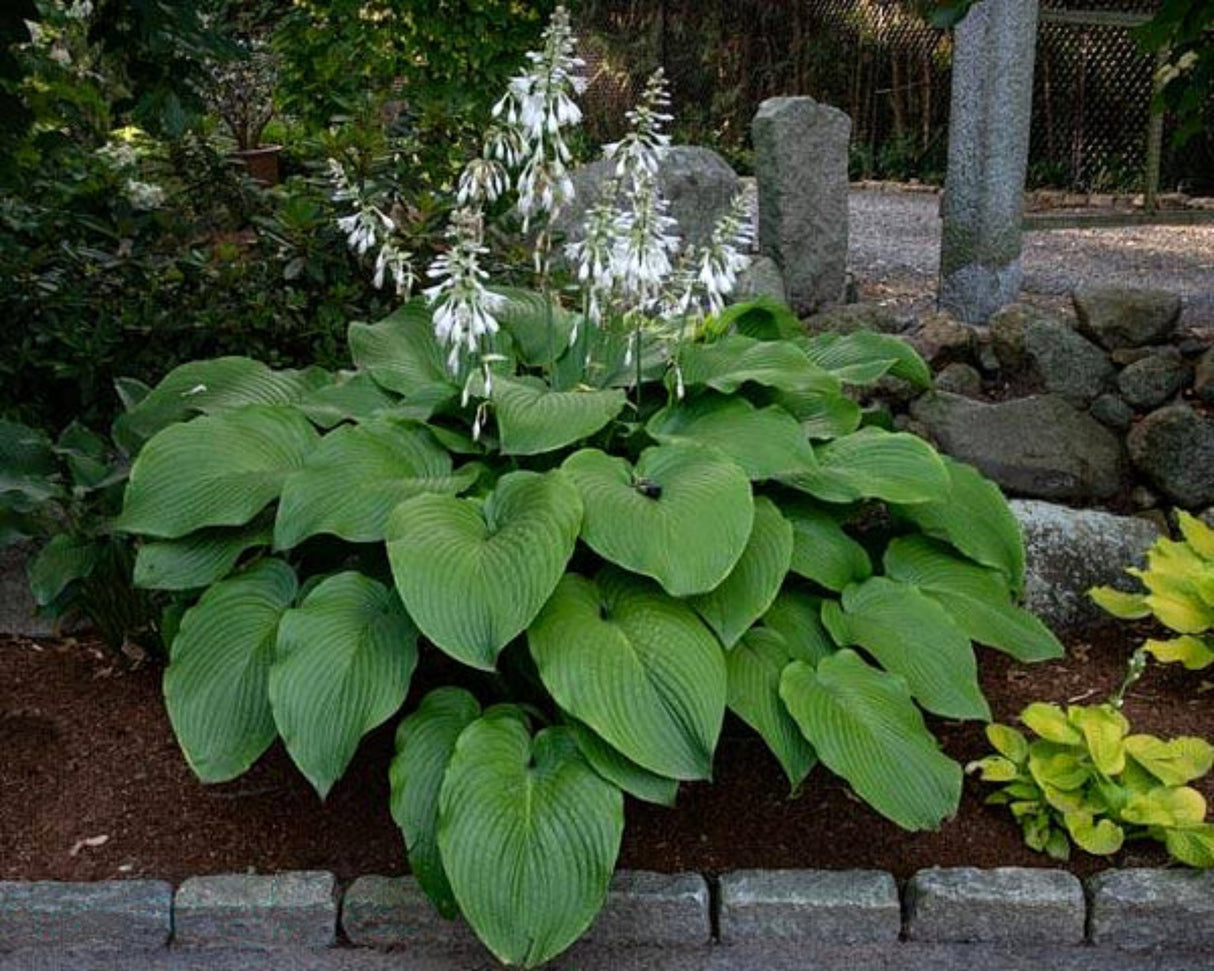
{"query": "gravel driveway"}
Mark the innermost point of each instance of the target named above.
(895, 255)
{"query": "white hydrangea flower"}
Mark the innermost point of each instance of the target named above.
(463, 308)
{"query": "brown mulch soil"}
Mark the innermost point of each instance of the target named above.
(86, 752)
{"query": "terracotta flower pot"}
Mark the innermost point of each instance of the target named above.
(261, 163)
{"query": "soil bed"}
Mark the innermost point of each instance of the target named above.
(86, 752)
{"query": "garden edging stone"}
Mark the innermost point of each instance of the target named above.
(115, 915)
(297, 909)
(1152, 909)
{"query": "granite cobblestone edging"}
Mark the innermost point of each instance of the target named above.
(1160, 910)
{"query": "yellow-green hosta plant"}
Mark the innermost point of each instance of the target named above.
(609, 523)
(1085, 778)
(1179, 582)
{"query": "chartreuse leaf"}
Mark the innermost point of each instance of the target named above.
(725, 365)
(636, 666)
(1174, 762)
(197, 560)
(753, 584)
(865, 727)
(532, 419)
(357, 475)
(754, 670)
(976, 597)
(529, 835)
(218, 470)
(539, 327)
(971, 515)
(343, 664)
(1055, 766)
(1126, 606)
(402, 354)
(425, 741)
(875, 464)
(1104, 729)
(620, 770)
(822, 551)
(1165, 806)
(864, 356)
(473, 575)
(218, 385)
(765, 442)
(1008, 742)
(911, 635)
(1192, 845)
(215, 685)
(994, 768)
(1197, 534)
(65, 559)
(1051, 723)
(796, 616)
(683, 515)
(1173, 575)
(1101, 837)
(1195, 653)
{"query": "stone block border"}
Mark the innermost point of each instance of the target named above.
(1159, 910)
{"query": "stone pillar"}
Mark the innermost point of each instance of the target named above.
(988, 145)
(801, 168)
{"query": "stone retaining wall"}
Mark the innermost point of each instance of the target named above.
(1011, 908)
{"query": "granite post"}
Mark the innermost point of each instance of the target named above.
(988, 147)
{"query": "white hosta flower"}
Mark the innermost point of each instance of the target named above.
(463, 309)
(393, 262)
(644, 245)
(638, 154)
(725, 255)
(144, 195)
(367, 228)
(483, 180)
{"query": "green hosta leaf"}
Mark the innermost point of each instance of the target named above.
(218, 385)
(1101, 837)
(652, 519)
(863, 357)
(344, 660)
(1193, 845)
(529, 835)
(24, 451)
(822, 551)
(1126, 606)
(911, 635)
(636, 666)
(727, 364)
(763, 318)
(1051, 723)
(622, 771)
(751, 588)
(1165, 806)
(972, 515)
(796, 616)
(539, 327)
(197, 560)
(1104, 729)
(766, 442)
(533, 419)
(63, 560)
(357, 475)
(424, 744)
(1173, 762)
(754, 670)
(976, 597)
(402, 354)
(216, 683)
(473, 575)
(823, 415)
(865, 727)
(219, 470)
(875, 464)
(353, 396)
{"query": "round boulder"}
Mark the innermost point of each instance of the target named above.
(1174, 448)
(1126, 317)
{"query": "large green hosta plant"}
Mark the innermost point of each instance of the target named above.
(615, 566)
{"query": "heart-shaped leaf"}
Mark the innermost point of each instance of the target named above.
(343, 664)
(976, 597)
(796, 616)
(864, 727)
(823, 415)
(539, 328)
(353, 396)
(218, 470)
(529, 835)
(973, 516)
(424, 744)
(755, 667)
(875, 464)
(473, 575)
(533, 419)
(402, 354)
(911, 635)
(636, 666)
(652, 519)
(357, 475)
(766, 442)
(822, 551)
(63, 560)
(749, 590)
(848, 356)
(725, 365)
(619, 770)
(216, 684)
(197, 560)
